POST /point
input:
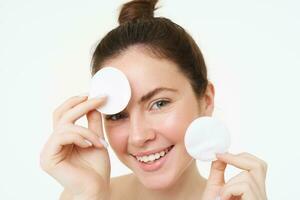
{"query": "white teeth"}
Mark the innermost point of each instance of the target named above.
(157, 155)
(152, 157)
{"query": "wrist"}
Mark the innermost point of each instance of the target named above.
(90, 197)
(94, 192)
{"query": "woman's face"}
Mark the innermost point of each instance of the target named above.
(153, 124)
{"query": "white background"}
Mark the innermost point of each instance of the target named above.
(252, 53)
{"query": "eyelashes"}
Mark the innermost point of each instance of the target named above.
(161, 103)
(158, 104)
(114, 117)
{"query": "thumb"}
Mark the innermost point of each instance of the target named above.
(216, 176)
(95, 124)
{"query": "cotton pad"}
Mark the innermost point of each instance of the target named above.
(113, 84)
(205, 137)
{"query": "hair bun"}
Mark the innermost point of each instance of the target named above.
(137, 9)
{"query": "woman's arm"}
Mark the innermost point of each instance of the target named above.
(66, 195)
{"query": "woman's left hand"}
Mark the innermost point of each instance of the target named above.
(247, 185)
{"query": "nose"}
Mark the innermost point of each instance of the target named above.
(140, 131)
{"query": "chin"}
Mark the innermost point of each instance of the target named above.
(158, 182)
(167, 179)
(164, 173)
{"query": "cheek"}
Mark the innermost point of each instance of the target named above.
(117, 138)
(173, 125)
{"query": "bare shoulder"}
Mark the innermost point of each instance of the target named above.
(121, 187)
(65, 195)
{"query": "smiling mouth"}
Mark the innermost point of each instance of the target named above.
(151, 158)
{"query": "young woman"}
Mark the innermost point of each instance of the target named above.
(168, 78)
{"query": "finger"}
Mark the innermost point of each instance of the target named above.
(50, 155)
(260, 165)
(216, 176)
(242, 190)
(88, 134)
(68, 104)
(243, 161)
(78, 111)
(247, 162)
(69, 138)
(95, 124)
(245, 177)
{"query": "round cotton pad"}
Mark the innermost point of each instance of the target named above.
(205, 137)
(113, 84)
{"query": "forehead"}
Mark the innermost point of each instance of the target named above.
(146, 72)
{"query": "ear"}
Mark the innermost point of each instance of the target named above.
(207, 100)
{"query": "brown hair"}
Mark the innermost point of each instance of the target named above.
(160, 36)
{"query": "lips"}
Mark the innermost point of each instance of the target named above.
(147, 153)
(156, 164)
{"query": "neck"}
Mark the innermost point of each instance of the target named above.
(190, 185)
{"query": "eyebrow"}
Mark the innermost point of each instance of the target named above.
(150, 94)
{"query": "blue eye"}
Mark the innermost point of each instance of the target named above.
(160, 104)
(115, 117)
(157, 106)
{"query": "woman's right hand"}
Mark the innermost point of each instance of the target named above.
(81, 167)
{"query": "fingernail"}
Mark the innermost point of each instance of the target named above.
(100, 96)
(103, 142)
(85, 94)
(220, 154)
(90, 144)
